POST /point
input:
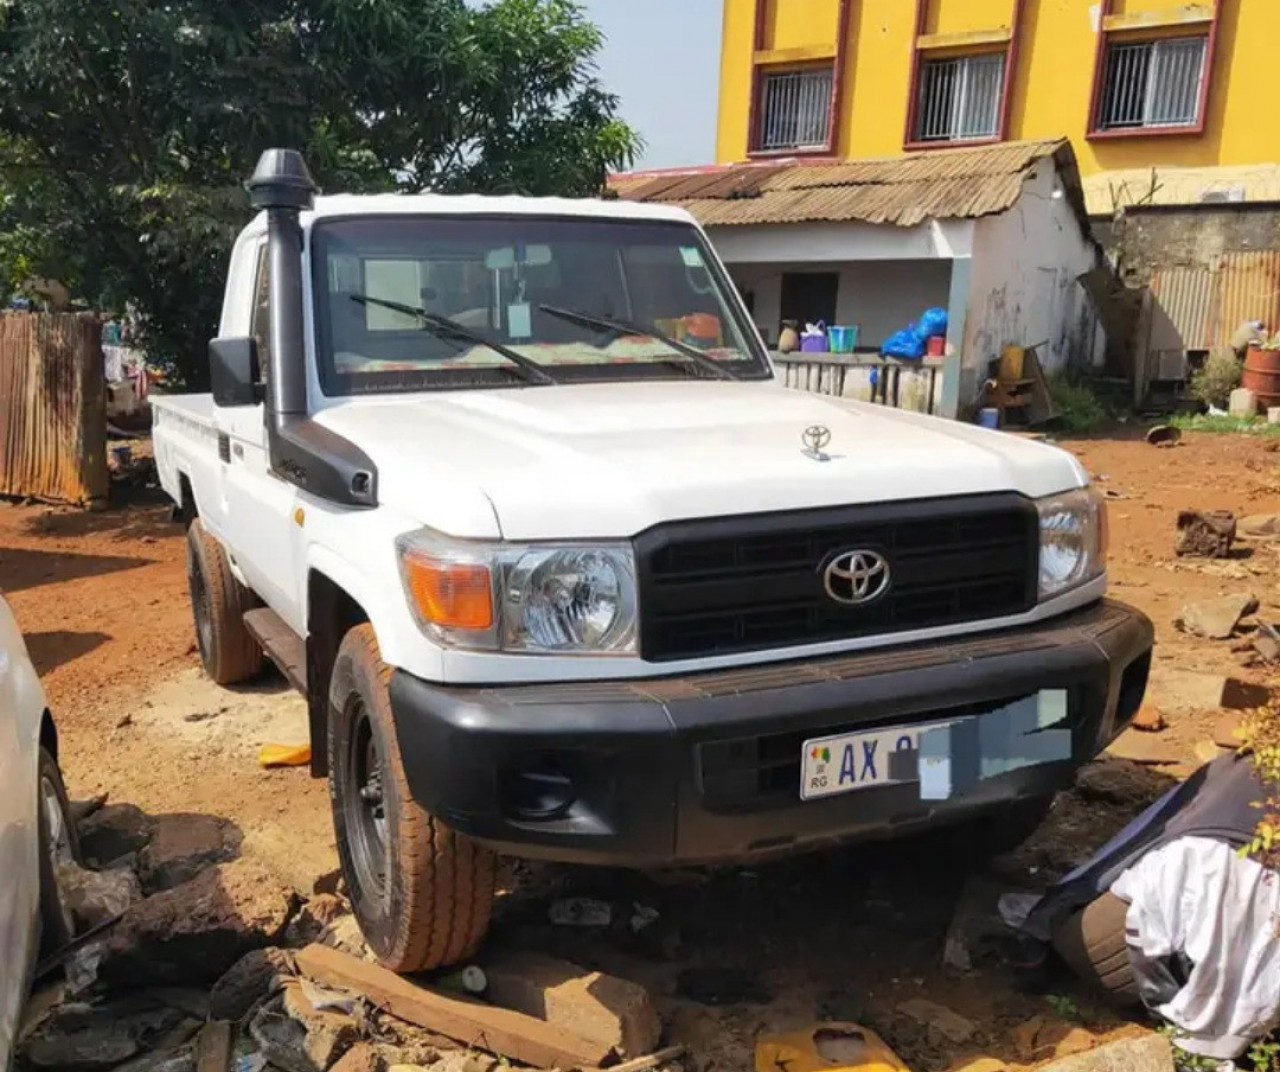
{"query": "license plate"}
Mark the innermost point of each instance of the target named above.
(850, 761)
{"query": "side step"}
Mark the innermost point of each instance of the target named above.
(286, 649)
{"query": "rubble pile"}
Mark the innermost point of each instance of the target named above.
(193, 959)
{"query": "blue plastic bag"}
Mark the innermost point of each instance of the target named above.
(933, 322)
(905, 343)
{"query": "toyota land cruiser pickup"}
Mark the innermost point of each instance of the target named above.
(508, 489)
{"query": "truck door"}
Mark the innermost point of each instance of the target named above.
(258, 508)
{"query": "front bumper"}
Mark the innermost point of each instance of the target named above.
(706, 767)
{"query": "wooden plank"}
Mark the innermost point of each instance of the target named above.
(471, 1023)
(213, 1047)
(644, 1064)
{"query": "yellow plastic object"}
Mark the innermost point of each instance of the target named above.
(284, 755)
(824, 1047)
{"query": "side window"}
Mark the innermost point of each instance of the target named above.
(262, 311)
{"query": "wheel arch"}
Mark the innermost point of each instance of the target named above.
(332, 610)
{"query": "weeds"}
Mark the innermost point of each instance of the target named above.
(1079, 409)
(1204, 422)
(1213, 382)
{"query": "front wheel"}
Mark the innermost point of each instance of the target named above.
(421, 892)
(59, 848)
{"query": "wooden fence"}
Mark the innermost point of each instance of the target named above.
(53, 416)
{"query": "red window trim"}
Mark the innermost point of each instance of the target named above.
(1097, 133)
(1012, 51)
(758, 70)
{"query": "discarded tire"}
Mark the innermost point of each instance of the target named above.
(218, 603)
(422, 893)
(1092, 943)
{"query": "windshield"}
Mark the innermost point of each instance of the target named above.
(427, 303)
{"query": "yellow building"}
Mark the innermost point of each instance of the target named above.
(1132, 83)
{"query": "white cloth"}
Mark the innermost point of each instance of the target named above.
(1200, 897)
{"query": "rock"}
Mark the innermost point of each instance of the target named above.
(595, 1006)
(1192, 691)
(1227, 730)
(344, 934)
(1067, 1039)
(182, 847)
(195, 932)
(1266, 642)
(1217, 618)
(82, 1036)
(951, 1025)
(362, 1057)
(319, 912)
(114, 832)
(1242, 403)
(1024, 1038)
(82, 809)
(1117, 781)
(1208, 751)
(1244, 695)
(975, 922)
(95, 897)
(1259, 526)
(1207, 535)
(248, 980)
(1149, 719)
(1145, 748)
(1151, 1053)
(296, 1038)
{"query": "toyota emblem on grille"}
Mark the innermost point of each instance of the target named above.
(856, 577)
(815, 439)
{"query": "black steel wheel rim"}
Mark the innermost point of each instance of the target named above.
(364, 805)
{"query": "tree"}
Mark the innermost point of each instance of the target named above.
(128, 126)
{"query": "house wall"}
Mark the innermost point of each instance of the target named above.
(1023, 287)
(1050, 91)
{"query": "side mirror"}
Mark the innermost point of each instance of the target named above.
(234, 372)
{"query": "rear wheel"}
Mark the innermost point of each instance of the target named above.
(422, 893)
(59, 848)
(218, 603)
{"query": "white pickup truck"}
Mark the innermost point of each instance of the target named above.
(508, 489)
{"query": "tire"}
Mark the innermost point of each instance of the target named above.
(422, 893)
(1092, 944)
(58, 845)
(218, 603)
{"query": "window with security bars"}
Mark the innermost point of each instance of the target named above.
(1153, 84)
(960, 98)
(795, 110)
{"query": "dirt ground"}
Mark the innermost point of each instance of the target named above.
(848, 935)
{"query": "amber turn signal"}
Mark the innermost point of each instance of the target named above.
(454, 595)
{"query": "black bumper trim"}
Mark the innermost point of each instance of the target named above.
(636, 752)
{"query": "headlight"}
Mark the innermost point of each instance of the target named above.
(572, 599)
(1073, 540)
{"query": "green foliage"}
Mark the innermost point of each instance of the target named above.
(1213, 382)
(1265, 1055)
(1080, 411)
(1204, 422)
(127, 127)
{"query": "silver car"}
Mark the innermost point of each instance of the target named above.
(37, 836)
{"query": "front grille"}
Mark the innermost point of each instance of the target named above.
(729, 585)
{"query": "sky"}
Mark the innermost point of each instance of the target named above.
(662, 58)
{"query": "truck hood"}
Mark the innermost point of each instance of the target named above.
(611, 460)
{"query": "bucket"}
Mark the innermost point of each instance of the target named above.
(989, 417)
(813, 340)
(1262, 375)
(936, 346)
(844, 340)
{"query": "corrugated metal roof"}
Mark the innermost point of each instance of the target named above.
(903, 190)
(1203, 305)
(1108, 191)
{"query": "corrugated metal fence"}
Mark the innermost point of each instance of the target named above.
(1200, 307)
(53, 417)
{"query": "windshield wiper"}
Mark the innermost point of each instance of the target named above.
(630, 328)
(526, 367)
